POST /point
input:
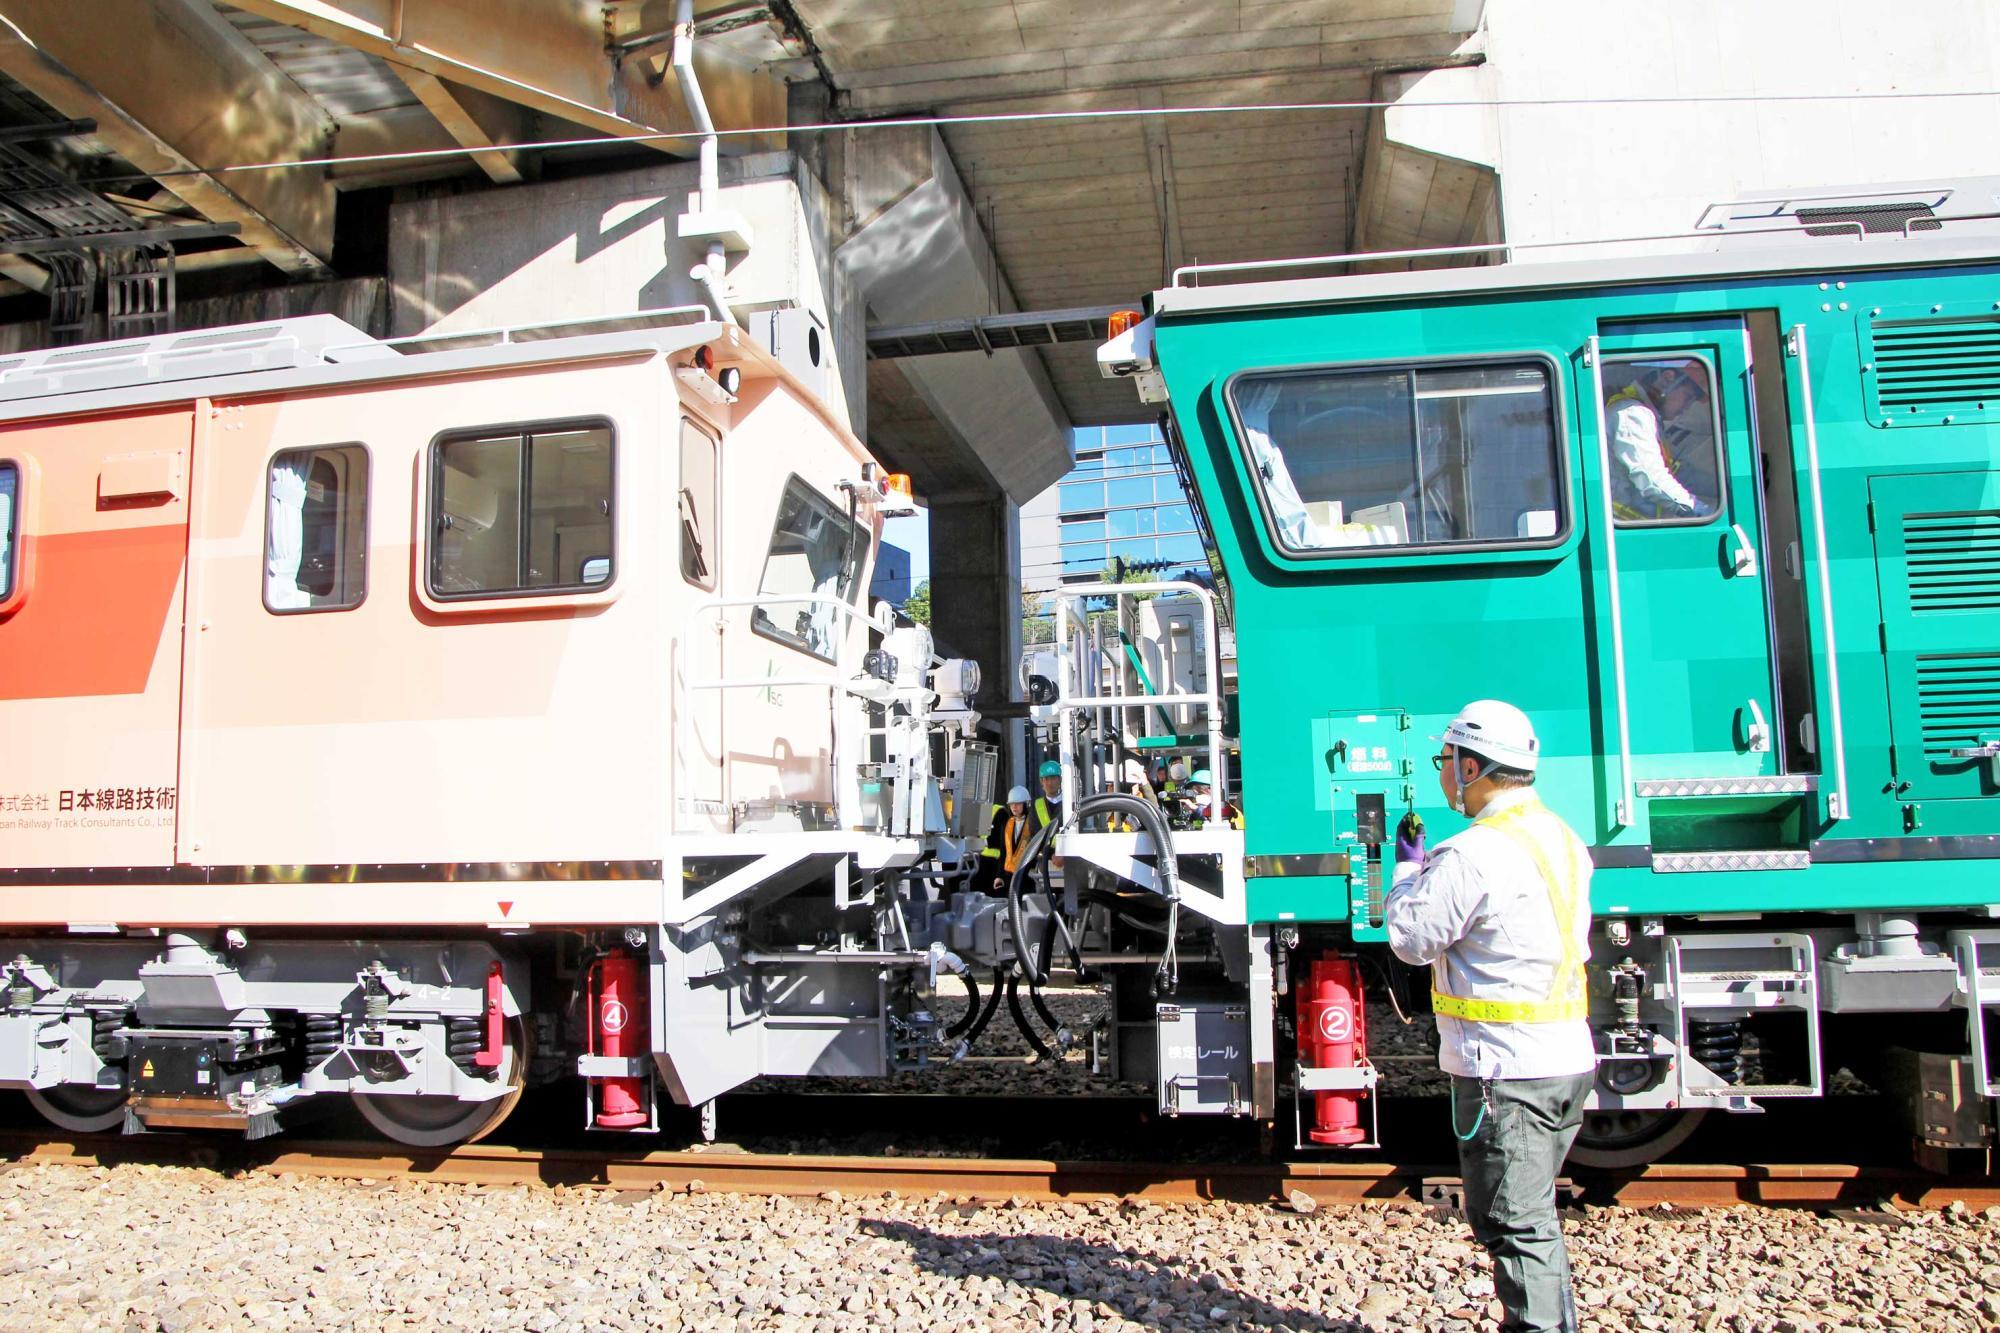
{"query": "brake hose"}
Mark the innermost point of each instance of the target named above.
(992, 1007)
(971, 1015)
(1148, 815)
(1041, 1047)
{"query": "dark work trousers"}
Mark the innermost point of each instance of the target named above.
(1510, 1163)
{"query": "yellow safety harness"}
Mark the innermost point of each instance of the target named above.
(1566, 1001)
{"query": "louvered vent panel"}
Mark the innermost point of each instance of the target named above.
(1953, 561)
(1939, 366)
(1958, 700)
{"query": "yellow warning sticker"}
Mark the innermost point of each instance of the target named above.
(146, 1070)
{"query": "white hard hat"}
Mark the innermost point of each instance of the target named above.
(1496, 731)
(1017, 795)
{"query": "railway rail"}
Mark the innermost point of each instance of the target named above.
(1797, 1185)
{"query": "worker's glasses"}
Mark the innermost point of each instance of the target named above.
(1438, 761)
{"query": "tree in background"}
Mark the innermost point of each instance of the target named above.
(918, 605)
(1037, 626)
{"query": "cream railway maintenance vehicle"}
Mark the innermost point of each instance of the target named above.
(416, 721)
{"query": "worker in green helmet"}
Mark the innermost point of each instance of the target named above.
(1048, 806)
(1201, 795)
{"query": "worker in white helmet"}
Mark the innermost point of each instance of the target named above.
(1500, 913)
(1013, 824)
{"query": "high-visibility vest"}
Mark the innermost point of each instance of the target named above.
(1016, 840)
(1565, 1001)
(1045, 812)
(1014, 837)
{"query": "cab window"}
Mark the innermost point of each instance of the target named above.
(1659, 422)
(316, 529)
(520, 511)
(1432, 456)
(816, 550)
(10, 526)
(697, 504)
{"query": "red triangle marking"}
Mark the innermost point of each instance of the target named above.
(506, 907)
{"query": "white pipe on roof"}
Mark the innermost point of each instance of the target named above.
(710, 272)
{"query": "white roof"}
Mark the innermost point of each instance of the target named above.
(306, 352)
(1829, 255)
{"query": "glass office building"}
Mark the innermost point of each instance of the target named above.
(1122, 502)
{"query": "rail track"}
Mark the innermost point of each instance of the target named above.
(996, 1178)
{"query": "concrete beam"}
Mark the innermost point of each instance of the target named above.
(1428, 175)
(474, 120)
(920, 254)
(551, 58)
(976, 588)
(169, 83)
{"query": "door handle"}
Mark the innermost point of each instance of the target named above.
(1989, 750)
(1757, 735)
(1742, 560)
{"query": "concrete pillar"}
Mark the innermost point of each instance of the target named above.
(976, 588)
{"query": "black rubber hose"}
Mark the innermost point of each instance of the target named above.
(1148, 815)
(971, 1006)
(992, 1007)
(1021, 1019)
(1042, 1008)
(1017, 914)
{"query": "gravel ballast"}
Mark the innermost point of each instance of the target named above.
(149, 1247)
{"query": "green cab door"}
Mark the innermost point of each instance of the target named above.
(1674, 461)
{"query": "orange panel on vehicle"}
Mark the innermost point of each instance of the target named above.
(92, 622)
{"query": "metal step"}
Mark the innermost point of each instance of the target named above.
(1978, 994)
(1735, 986)
(1685, 863)
(1772, 784)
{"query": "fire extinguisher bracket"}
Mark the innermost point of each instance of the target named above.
(609, 1066)
(1352, 1078)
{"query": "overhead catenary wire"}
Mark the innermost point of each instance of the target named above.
(1045, 117)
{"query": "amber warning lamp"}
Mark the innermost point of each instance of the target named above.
(1122, 322)
(894, 494)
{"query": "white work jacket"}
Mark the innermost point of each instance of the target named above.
(1644, 479)
(1481, 915)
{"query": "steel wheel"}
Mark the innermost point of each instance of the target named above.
(1619, 1140)
(442, 1122)
(80, 1109)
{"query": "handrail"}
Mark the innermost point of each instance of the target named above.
(1836, 800)
(1508, 248)
(1622, 814)
(1067, 598)
(505, 332)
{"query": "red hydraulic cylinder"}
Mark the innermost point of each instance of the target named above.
(616, 987)
(1333, 1034)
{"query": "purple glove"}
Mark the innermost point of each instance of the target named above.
(1410, 838)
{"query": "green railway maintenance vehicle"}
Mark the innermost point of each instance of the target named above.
(1757, 624)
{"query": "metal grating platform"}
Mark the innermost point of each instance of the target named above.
(992, 333)
(1683, 863)
(274, 345)
(1773, 784)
